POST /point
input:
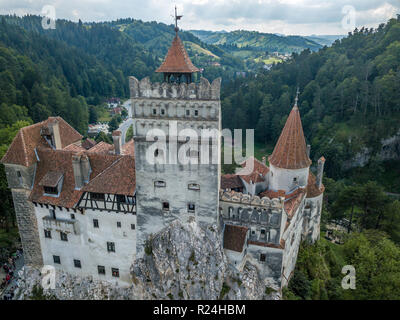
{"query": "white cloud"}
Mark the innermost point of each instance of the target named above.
(277, 16)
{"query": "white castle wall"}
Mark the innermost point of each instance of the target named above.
(89, 244)
(283, 179)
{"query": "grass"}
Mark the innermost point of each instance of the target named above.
(197, 49)
(103, 115)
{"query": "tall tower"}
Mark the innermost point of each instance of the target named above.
(167, 188)
(289, 162)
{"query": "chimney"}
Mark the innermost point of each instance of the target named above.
(55, 134)
(76, 166)
(264, 161)
(321, 163)
(308, 150)
(116, 135)
(85, 168)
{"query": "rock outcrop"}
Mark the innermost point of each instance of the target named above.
(183, 261)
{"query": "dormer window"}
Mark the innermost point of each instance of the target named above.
(52, 183)
(50, 190)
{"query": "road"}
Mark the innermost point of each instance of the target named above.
(124, 126)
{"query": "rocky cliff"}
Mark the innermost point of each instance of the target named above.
(183, 261)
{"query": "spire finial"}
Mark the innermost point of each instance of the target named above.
(176, 21)
(297, 97)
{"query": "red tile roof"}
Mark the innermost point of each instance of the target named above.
(291, 151)
(272, 194)
(312, 189)
(22, 148)
(118, 178)
(102, 147)
(231, 181)
(88, 143)
(281, 245)
(177, 60)
(129, 148)
(235, 237)
(293, 202)
(258, 173)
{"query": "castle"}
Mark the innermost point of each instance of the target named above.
(88, 209)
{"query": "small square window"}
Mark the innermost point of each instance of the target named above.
(154, 111)
(72, 216)
(191, 207)
(57, 259)
(159, 184)
(110, 246)
(165, 206)
(47, 234)
(115, 272)
(196, 112)
(95, 223)
(262, 257)
(118, 224)
(101, 269)
(133, 226)
(193, 186)
(77, 263)
(162, 111)
(263, 231)
(63, 236)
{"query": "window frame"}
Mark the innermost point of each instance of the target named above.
(58, 258)
(63, 236)
(77, 263)
(47, 234)
(101, 270)
(115, 272)
(96, 223)
(110, 246)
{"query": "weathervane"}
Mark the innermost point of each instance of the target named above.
(176, 21)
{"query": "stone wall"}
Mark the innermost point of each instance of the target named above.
(28, 228)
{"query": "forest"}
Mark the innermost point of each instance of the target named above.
(349, 100)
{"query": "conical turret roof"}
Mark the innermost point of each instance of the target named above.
(291, 151)
(177, 60)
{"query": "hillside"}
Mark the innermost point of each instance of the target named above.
(350, 97)
(254, 40)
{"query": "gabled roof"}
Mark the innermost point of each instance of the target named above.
(119, 178)
(177, 60)
(22, 148)
(234, 237)
(291, 151)
(61, 161)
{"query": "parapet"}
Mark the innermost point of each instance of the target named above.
(238, 197)
(192, 91)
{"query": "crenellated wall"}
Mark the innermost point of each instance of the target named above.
(193, 91)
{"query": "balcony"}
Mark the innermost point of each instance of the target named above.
(63, 225)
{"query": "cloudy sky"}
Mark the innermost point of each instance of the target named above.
(302, 17)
